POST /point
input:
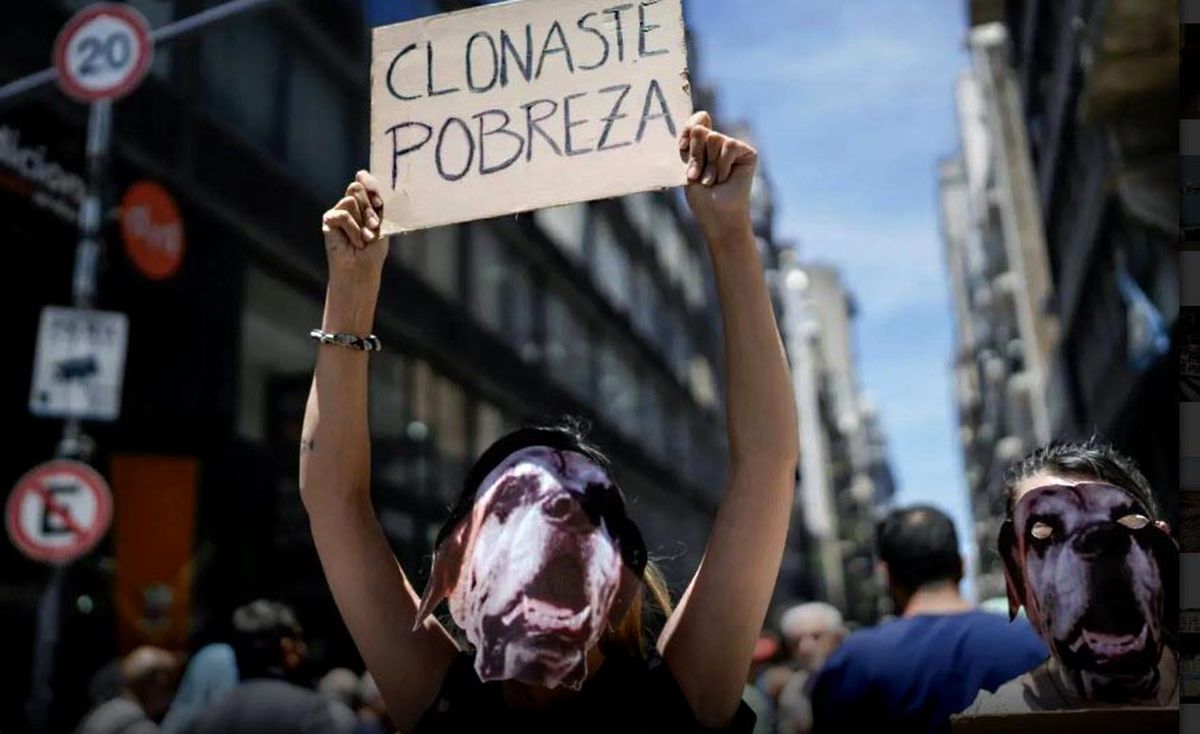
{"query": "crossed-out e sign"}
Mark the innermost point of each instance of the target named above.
(529, 104)
(58, 511)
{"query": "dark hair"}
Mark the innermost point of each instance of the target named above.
(259, 628)
(1090, 459)
(569, 434)
(919, 546)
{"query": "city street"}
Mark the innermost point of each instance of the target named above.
(807, 340)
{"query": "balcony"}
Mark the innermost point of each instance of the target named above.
(985, 11)
(1131, 56)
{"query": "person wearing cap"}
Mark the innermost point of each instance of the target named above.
(545, 573)
(912, 674)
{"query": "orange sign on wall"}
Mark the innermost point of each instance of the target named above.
(153, 537)
(152, 230)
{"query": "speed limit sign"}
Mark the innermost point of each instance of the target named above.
(103, 52)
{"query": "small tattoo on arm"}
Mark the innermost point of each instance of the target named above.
(308, 445)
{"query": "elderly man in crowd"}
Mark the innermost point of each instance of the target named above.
(812, 632)
(148, 675)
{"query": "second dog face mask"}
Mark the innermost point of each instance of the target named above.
(1097, 577)
(534, 573)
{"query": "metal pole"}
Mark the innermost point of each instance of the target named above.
(75, 444)
(41, 692)
(170, 31)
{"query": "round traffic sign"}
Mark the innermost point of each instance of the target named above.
(58, 511)
(152, 230)
(103, 52)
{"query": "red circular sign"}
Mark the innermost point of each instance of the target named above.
(58, 511)
(152, 230)
(103, 52)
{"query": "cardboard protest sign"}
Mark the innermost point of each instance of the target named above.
(1124, 720)
(529, 104)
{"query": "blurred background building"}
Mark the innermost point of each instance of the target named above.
(605, 310)
(846, 482)
(1060, 219)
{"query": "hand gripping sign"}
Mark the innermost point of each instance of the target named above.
(529, 104)
(58, 511)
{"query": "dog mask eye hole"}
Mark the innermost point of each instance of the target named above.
(1134, 521)
(1041, 531)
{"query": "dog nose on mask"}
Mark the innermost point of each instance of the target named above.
(1102, 539)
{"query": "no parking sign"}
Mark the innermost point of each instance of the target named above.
(58, 511)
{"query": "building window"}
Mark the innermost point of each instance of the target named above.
(276, 319)
(489, 275)
(618, 389)
(490, 425)
(640, 208)
(388, 397)
(648, 303)
(611, 268)
(503, 292)
(564, 226)
(439, 432)
(433, 256)
(568, 346)
(318, 129)
(669, 244)
(451, 438)
(241, 78)
(653, 419)
(694, 291)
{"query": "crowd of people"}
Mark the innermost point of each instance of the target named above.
(256, 683)
(937, 659)
(1089, 622)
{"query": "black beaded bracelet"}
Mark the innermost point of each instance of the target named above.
(368, 343)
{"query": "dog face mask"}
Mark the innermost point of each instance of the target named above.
(1098, 580)
(539, 567)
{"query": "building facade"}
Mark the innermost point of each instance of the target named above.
(1060, 217)
(845, 482)
(604, 310)
(999, 273)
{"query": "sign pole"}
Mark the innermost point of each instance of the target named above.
(74, 443)
(41, 697)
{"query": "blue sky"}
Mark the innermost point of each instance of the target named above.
(852, 104)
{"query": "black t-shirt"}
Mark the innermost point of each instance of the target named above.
(627, 695)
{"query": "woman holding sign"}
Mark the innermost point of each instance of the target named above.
(544, 571)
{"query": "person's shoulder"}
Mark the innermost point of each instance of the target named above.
(114, 714)
(869, 640)
(1017, 635)
(1025, 693)
(1007, 699)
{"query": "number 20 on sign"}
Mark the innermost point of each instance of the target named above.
(103, 52)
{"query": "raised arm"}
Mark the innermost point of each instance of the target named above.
(708, 642)
(376, 601)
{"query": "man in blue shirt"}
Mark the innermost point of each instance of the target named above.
(912, 674)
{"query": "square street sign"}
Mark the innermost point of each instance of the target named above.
(79, 364)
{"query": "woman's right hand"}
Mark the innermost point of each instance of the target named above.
(353, 245)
